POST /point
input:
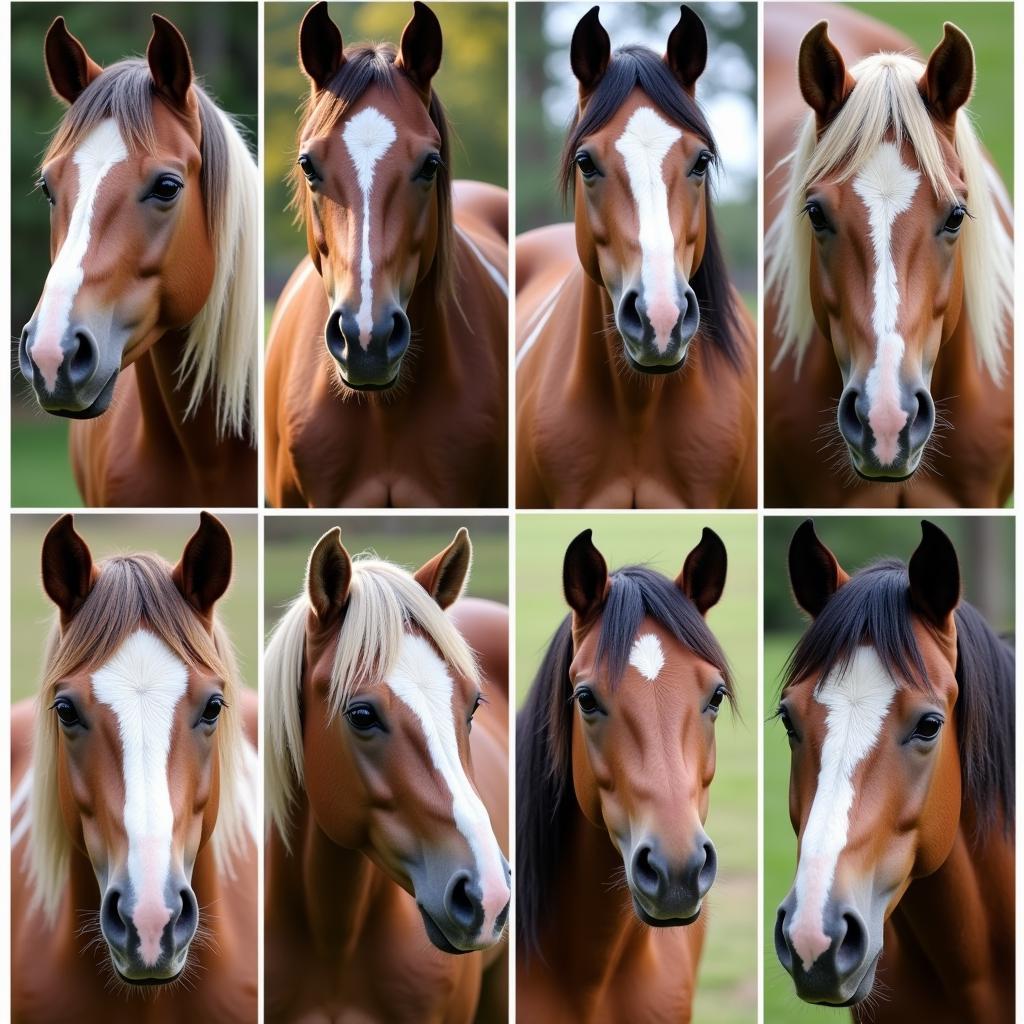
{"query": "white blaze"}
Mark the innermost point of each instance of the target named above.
(858, 701)
(886, 186)
(102, 148)
(647, 656)
(422, 682)
(644, 145)
(368, 136)
(142, 684)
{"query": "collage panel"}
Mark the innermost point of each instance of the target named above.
(387, 255)
(134, 308)
(636, 813)
(888, 156)
(387, 768)
(636, 255)
(889, 855)
(134, 774)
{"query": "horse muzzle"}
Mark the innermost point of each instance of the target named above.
(656, 335)
(886, 440)
(148, 948)
(71, 378)
(369, 357)
(833, 964)
(667, 894)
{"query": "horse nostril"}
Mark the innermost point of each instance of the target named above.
(851, 948)
(24, 360)
(462, 909)
(187, 919)
(851, 422)
(83, 358)
(646, 876)
(113, 922)
(398, 342)
(782, 948)
(922, 421)
(709, 870)
(690, 320)
(629, 320)
(334, 335)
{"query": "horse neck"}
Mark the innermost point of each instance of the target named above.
(320, 887)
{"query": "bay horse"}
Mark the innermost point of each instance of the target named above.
(386, 380)
(615, 754)
(387, 891)
(154, 201)
(899, 706)
(635, 373)
(134, 776)
(888, 276)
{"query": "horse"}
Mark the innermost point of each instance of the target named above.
(888, 274)
(134, 843)
(394, 329)
(387, 892)
(615, 754)
(635, 366)
(154, 219)
(898, 702)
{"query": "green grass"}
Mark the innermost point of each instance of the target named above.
(40, 463)
(107, 534)
(727, 985)
(403, 540)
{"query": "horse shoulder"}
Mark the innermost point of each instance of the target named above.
(483, 204)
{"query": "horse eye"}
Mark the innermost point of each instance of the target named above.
(363, 717)
(586, 165)
(213, 708)
(702, 164)
(166, 188)
(928, 728)
(787, 723)
(816, 215)
(954, 220)
(587, 701)
(66, 712)
(428, 172)
(45, 189)
(716, 699)
(308, 169)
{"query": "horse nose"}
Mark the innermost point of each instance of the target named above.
(658, 332)
(666, 884)
(115, 922)
(79, 358)
(372, 360)
(854, 417)
(921, 419)
(129, 937)
(463, 903)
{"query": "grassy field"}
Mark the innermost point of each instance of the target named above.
(408, 542)
(40, 463)
(108, 534)
(727, 987)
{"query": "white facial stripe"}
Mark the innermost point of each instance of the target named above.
(101, 150)
(886, 186)
(368, 136)
(422, 682)
(644, 145)
(858, 702)
(540, 318)
(647, 656)
(142, 684)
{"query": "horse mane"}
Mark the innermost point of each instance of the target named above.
(367, 65)
(886, 99)
(384, 603)
(545, 799)
(132, 592)
(874, 607)
(221, 355)
(634, 67)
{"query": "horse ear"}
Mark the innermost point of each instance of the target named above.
(948, 79)
(590, 52)
(203, 572)
(824, 80)
(934, 572)
(67, 567)
(328, 576)
(419, 53)
(702, 578)
(169, 62)
(687, 50)
(814, 572)
(321, 51)
(584, 577)
(69, 68)
(444, 577)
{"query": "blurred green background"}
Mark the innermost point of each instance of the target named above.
(985, 547)
(727, 984)
(222, 39)
(112, 534)
(472, 84)
(405, 540)
(546, 99)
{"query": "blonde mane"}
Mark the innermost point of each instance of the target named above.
(384, 603)
(131, 592)
(886, 100)
(221, 353)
